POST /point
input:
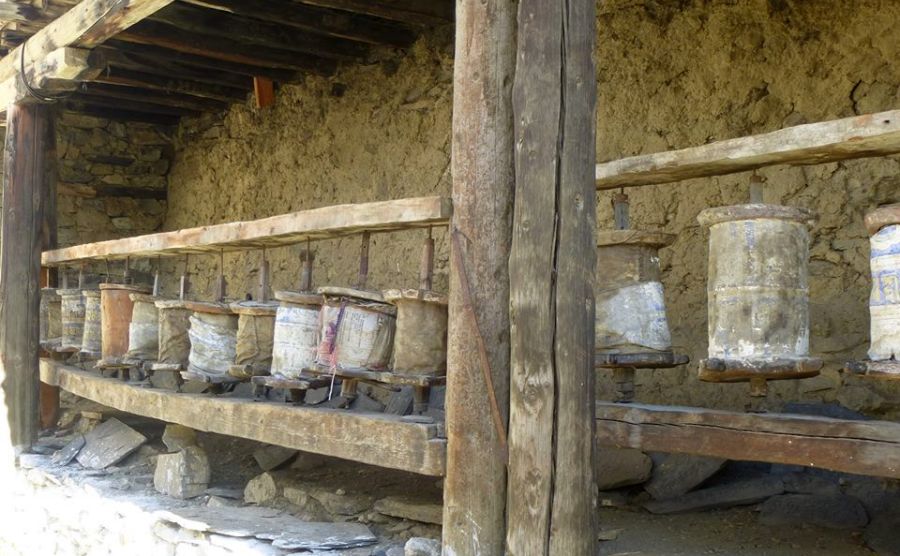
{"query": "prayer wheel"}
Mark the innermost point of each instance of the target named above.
(357, 330)
(420, 338)
(174, 341)
(91, 342)
(296, 335)
(117, 308)
(254, 342)
(143, 331)
(213, 335)
(50, 318)
(758, 294)
(72, 318)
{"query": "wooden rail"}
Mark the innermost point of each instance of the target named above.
(321, 223)
(372, 438)
(863, 447)
(858, 137)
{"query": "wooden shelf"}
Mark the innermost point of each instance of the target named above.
(863, 447)
(372, 438)
(316, 224)
(858, 137)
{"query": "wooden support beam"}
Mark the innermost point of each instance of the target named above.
(285, 229)
(372, 438)
(58, 72)
(175, 100)
(249, 31)
(152, 33)
(92, 109)
(434, 12)
(551, 487)
(86, 25)
(29, 159)
(153, 59)
(264, 92)
(861, 447)
(132, 105)
(169, 83)
(483, 185)
(857, 137)
(317, 20)
(18, 11)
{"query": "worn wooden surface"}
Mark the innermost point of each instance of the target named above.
(881, 217)
(285, 229)
(375, 439)
(551, 488)
(483, 184)
(857, 137)
(87, 24)
(58, 72)
(862, 447)
(29, 159)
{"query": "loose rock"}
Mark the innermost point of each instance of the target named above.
(420, 546)
(834, 511)
(109, 443)
(721, 496)
(882, 534)
(261, 489)
(618, 467)
(406, 507)
(270, 457)
(679, 473)
(184, 474)
(178, 437)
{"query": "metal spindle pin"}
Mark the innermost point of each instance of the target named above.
(126, 275)
(222, 285)
(183, 287)
(620, 210)
(65, 278)
(306, 274)
(426, 267)
(156, 284)
(757, 183)
(264, 277)
(363, 261)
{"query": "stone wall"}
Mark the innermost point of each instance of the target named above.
(112, 178)
(670, 75)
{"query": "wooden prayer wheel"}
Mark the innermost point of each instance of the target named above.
(296, 335)
(254, 342)
(72, 319)
(758, 294)
(91, 341)
(143, 331)
(50, 318)
(213, 335)
(117, 308)
(631, 311)
(357, 330)
(420, 338)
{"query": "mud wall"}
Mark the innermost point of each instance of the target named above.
(670, 75)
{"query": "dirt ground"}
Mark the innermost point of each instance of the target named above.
(734, 532)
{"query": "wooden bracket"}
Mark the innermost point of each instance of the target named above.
(264, 92)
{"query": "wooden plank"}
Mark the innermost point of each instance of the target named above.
(857, 137)
(886, 215)
(263, 92)
(483, 187)
(114, 75)
(434, 12)
(862, 447)
(110, 113)
(29, 158)
(551, 487)
(317, 20)
(87, 24)
(58, 72)
(375, 439)
(188, 102)
(286, 229)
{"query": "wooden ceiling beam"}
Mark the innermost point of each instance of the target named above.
(174, 100)
(133, 106)
(250, 31)
(56, 73)
(86, 25)
(82, 107)
(165, 62)
(416, 12)
(141, 80)
(317, 20)
(152, 33)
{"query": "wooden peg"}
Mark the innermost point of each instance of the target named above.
(426, 267)
(306, 274)
(363, 261)
(183, 288)
(264, 92)
(221, 284)
(126, 275)
(264, 278)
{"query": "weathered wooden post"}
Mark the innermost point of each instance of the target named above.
(551, 489)
(29, 160)
(483, 182)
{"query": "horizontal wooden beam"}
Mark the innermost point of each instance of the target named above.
(317, 20)
(57, 72)
(160, 61)
(857, 137)
(169, 84)
(178, 100)
(322, 223)
(86, 25)
(862, 447)
(432, 12)
(153, 33)
(81, 107)
(372, 438)
(93, 192)
(132, 105)
(18, 11)
(249, 31)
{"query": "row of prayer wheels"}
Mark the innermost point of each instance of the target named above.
(328, 330)
(758, 297)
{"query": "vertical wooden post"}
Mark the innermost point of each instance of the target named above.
(551, 490)
(483, 183)
(29, 159)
